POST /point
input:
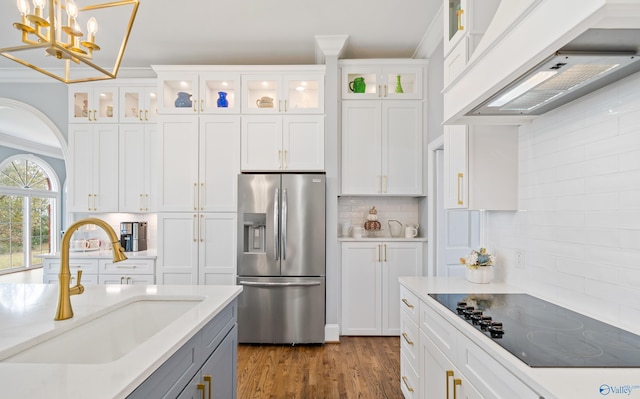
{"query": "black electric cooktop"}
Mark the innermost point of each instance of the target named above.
(542, 334)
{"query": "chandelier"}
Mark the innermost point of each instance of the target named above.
(52, 41)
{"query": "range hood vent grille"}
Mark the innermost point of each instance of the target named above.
(559, 79)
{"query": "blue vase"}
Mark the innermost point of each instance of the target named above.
(222, 101)
(183, 100)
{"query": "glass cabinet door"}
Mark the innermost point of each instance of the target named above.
(303, 94)
(93, 104)
(178, 93)
(219, 93)
(402, 82)
(262, 94)
(138, 104)
(361, 83)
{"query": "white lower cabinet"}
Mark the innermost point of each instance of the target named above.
(102, 271)
(450, 364)
(370, 287)
(196, 248)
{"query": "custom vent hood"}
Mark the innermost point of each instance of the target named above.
(593, 60)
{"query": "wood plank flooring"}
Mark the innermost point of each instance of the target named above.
(357, 367)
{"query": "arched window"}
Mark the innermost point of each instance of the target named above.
(29, 193)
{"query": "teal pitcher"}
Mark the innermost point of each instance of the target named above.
(357, 85)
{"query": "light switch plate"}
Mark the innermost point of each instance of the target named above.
(520, 258)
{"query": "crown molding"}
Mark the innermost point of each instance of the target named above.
(28, 75)
(433, 37)
(329, 45)
(30, 146)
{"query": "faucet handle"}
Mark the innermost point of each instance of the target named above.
(78, 288)
(79, 277)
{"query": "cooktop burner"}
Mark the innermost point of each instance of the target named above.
(542, 334)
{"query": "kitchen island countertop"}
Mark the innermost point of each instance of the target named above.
(27, 312)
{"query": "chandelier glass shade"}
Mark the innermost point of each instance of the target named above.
(59, 38)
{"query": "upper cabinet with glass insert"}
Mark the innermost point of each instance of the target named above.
(288, 93)
(93, 104)
(466, 18)
(382, 80)
(181, 91)
(138, 104)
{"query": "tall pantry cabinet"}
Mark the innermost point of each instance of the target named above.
(199, 152)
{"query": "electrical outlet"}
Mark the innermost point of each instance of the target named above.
(520, 258)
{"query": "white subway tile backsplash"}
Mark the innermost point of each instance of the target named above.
(579, 201)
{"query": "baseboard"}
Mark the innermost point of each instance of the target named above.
(331, 333)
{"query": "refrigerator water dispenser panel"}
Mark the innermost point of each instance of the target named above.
(255, 229)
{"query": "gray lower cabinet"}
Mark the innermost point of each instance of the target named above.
(203, 367)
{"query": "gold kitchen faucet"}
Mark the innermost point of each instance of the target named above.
(64, 310)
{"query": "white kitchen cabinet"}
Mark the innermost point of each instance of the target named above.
(481, 167)
(282, 143)
(130, 271)
(409, 345)
(196, 248)
(138, 104)
(283, 93)
(94, 164)
(199, 162)
(196, 90)
(370, 287)
(90, 103)
(136, 167)
(441, 378)
(393, 79)
(89, 268)
(382, 147)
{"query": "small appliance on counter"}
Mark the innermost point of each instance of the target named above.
(133, 236)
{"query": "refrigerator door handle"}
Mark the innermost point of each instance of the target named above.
(285, 220)
(300, 284)
(276, 217)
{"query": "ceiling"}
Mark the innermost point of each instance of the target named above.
(250, 32)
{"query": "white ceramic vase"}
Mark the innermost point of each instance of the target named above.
(480, 275)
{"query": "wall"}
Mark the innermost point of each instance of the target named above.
(579, 201)
(355, 210)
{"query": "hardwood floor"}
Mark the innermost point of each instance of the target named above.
(357, 367)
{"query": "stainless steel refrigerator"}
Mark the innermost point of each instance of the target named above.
(281, 258)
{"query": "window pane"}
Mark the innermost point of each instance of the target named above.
(24, 173)
(11, 232)
(40, 228)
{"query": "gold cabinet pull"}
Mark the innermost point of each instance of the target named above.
(207, 379)
(456, 383)
(406, 302)
(459, 15)
(406, 338)
(195, 223)
(201, 105)
(141, 201)
(385, 90)
(201, 219)
(95, 115)
(379, 252)
(201, 388)
(285, 105)
(379, 91)
(195, 196)
(449, 374)
(279, 159)
(95, 197)
(140, 116)
(406, 383)
(88, 202)
(279, 106)
(285, 160)
(121, 280)
(460, 176)
(385, 252)
(201, 196)
(146, 115)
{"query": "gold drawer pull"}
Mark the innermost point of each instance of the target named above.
(456, 382)
(406, 383)
(406, 338)
(406, 302)
(449, 374)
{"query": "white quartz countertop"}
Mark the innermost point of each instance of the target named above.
(100, 254)
(549, 383)
(27, 312)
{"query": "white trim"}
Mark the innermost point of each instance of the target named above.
(30, 146)
(329, 46)
(332, 333)
(434, 146)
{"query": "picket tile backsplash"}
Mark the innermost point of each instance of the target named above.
(579, 207)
